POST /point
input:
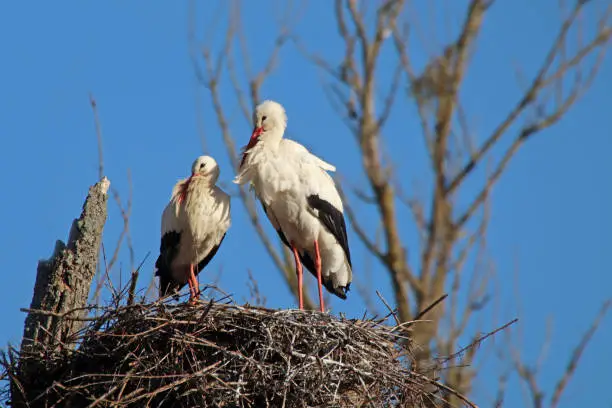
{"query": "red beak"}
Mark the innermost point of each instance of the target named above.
(184, 189)
(252, 142)
(254, 137)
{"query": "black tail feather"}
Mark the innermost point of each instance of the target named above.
(168, 249)
(167, 285)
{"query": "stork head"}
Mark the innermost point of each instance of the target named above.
(206, 166)
(270, 122)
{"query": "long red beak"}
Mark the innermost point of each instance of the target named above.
(254, 137)
(184, 189)
(252, 142)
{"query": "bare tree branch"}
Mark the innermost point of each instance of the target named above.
(126, 213)
(577, 354)
(538, 83)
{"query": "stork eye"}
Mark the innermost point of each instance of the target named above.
(264, 118)
(202, 165)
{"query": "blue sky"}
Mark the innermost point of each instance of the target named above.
(550, 221)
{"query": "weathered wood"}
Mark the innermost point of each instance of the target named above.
(62, 285)
(64, 280)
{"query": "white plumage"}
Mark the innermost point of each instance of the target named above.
(299, 198)
(194, 224)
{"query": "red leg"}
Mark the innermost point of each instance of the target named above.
(190, 283)
(298, 269)
(319, 277)
(196, 284)
(193, 285)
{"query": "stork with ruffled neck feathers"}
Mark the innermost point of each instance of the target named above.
(300, 199)
(194, 224)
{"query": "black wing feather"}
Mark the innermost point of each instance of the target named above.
(333, 220)
(210, 255)
(168, 250)
(308, 262)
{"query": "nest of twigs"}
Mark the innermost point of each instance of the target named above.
(223, 355)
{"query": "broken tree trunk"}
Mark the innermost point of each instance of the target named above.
(63, 283)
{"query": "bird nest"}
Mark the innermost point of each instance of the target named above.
(218, 354)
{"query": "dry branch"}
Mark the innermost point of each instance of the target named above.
(577, 354)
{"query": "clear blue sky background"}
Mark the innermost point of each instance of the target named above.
(551, 218)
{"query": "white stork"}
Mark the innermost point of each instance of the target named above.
(300, 199)
(194, 224)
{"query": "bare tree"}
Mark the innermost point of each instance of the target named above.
(452, 236)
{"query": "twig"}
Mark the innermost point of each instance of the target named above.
(94, 107)
(134, 280)
(393, 312)
(428, 308)
(577, 354)
(479, 340)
